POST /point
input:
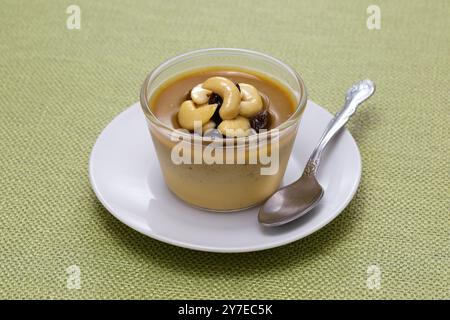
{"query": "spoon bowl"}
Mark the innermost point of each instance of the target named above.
(281, 209)
(300, 197)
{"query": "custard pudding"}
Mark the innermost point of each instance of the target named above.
(242, 121)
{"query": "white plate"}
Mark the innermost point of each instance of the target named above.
(126, 177)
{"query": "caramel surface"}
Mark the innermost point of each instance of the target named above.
(166, 101)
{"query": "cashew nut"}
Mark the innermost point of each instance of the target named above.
(209, 125)
(188, 114)
(229, 93)
(238, 127)
(251, 103)
(200, 95)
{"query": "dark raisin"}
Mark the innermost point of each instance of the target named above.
(215, 98)
(260, 121)
(216, 117)
(188, 95)
(237, 85)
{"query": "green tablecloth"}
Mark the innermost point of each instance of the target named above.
(59, 88)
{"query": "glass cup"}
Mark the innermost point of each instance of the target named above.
(238, 181)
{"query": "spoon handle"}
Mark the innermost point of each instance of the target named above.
(357, 94)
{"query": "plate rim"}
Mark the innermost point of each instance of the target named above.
(205, 248)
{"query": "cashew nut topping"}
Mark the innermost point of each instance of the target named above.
(200, 95)
(208, 126)
(251, 103)
(229, 93)
(238, 127)
(188, 114)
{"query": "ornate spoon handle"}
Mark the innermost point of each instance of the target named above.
(357, 94)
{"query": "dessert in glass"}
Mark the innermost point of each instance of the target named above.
(223, 123)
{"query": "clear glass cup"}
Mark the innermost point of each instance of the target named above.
(229, 186)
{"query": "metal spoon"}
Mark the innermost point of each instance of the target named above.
(298, 198)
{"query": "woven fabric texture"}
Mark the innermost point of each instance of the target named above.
(59, 88)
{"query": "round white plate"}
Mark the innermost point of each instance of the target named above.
(126, 177)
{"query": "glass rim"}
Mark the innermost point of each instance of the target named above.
(186, 56)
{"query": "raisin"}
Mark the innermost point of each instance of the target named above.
(215, 98)
(260, 121)
(216, 117)
(188, 95)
